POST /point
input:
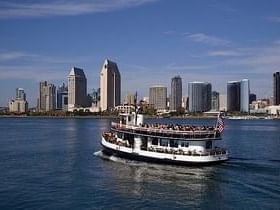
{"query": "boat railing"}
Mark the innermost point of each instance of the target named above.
(213, 152)
(111, 138)
(165, 131)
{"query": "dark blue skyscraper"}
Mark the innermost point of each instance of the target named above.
(176, 94)
(62, 97)
(200, 94)
(233, 96)
(276, 88)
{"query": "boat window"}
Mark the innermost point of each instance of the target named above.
(120, 135)
(209, 145)
(173, 143)
(164, 142)
(154, 141)
(184, 144)
(125, 136)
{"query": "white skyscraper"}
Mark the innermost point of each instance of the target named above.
(158, 97)
(77, 89)
(19, 104)
(47, 97)
(244, 95)
(110, 86)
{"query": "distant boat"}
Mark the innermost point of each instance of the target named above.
(172, 144)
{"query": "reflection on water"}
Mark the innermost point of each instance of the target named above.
(258, 128)
(48, 164)
(143, 180)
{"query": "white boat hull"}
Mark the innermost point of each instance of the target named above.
(151, 156)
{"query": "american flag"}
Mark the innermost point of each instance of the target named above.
(220, 123)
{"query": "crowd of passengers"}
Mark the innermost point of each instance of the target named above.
(177, 127)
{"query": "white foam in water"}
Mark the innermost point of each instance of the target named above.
(98, 153)
(111, 158)
(117, 159)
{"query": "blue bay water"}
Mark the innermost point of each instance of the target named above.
(57, 164)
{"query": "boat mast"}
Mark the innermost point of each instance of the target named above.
(136, 109)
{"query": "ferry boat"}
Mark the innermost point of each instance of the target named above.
(133, 139)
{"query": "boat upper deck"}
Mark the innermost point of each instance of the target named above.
(170, 131)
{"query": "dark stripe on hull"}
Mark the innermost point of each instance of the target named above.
(135, 156)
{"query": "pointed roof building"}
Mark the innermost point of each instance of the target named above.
(110, 86)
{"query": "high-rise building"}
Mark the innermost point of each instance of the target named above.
(19, 105)
(176, 94)
(20, 94)
(276, 88)
(215, 102)
(233, 96)
(200, 95)
(77, 89)
(95, 95)
(244, 95)
(47, 97)
(185, 102)
(62, 97)
(110, 86)
(158, 97)
(238, 96)
(252, 97)
(223, 102)
(130, 99)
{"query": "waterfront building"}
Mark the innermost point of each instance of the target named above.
(244, 95)
(185, 102)
(130, 99)
(238, 96)
(19, 104)
(110, 86)
(62, 97)
(95, 97)
(47, 97)
(199, 96)
(215, 102)
(223, 102)
(276, 88)
(176, 94)
(20, 94)
(77, 89)
(252, 97)
(158, 97)
(233, 96)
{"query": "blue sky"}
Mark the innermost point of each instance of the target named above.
(151, 40)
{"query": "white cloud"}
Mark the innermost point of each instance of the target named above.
(13, 9)
(170, 32)
(207, 39)
(263, 59)
(274, 19)
(225, 53)
(14, 55)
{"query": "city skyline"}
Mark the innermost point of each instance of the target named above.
(216, 42)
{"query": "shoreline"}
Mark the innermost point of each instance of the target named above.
(146, 117)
